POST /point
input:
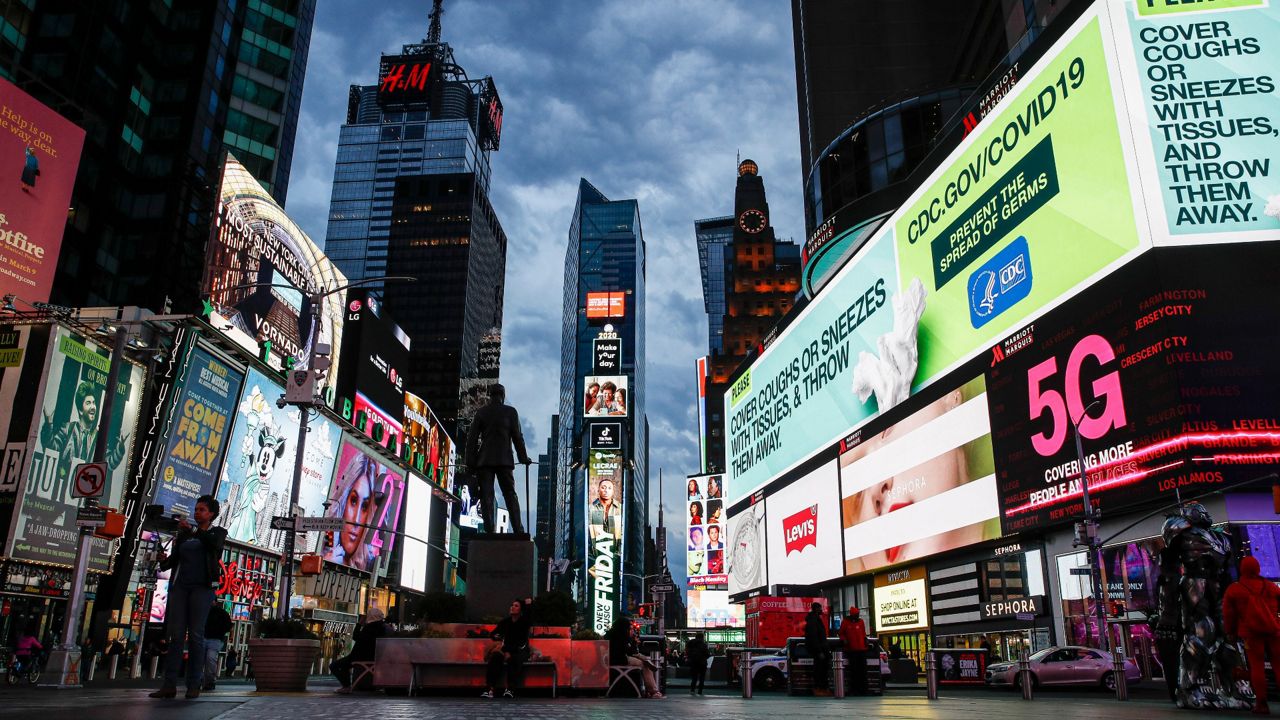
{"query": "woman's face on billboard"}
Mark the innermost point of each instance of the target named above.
(357, 512)
(930, 478)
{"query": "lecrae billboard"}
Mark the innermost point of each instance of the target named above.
(1057, 263)
(604, 534)
(1051, 192)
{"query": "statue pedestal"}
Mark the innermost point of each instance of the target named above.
(500, 569)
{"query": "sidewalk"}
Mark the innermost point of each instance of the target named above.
(237, 700)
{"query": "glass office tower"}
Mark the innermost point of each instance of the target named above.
(605, 259)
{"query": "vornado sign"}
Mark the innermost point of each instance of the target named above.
(1040, 200)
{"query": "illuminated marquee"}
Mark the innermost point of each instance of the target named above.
(606, 305)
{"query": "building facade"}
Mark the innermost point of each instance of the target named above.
(411, 198)
(158, 117)
(602, 351)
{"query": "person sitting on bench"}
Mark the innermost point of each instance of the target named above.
(511, 648)
(365, 647)
(624, 649)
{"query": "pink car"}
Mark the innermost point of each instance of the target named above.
(1071, 665)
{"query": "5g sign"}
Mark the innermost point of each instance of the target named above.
(1061, 397)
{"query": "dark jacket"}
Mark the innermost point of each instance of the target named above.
(514, 634)
(495, 428)
(698, 652)
(213, 539)
(815, 633)
(218, 624)
(1250, 604)
(366, 640)
(621, 646)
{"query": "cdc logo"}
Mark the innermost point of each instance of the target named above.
(1000, 283)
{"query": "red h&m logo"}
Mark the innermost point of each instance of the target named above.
(397, 80)
(801, 530)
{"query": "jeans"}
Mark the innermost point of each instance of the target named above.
(514, 665)
(185, 616)
(697, 676)
(211, 650)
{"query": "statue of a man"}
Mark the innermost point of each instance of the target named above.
(494, 430)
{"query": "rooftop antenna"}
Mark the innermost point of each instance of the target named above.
(437, 9)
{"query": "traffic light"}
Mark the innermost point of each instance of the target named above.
(645, 610)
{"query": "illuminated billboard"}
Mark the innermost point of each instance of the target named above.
(203, 407)
(604, 534)
(368, 494)
(42, 153)
(803, 521)
(711, 609)
(431, 450)
(417, 526)
(745, 557)
(1164, 363)
(410, 79)
(605, 396)
(920, 485)
(1007, 227)
(64, 434)
(606, 305)
(257, 475)
(706, 531)
(261, 271)
(375, 354)
(901, 600)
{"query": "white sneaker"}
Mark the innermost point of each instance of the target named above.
(508, 694)
(487, 694)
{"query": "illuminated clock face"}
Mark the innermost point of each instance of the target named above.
(752, 221)
(745, 562)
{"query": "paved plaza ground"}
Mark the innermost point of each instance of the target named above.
(236, 700)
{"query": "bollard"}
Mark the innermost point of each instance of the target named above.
(659, 674)
(1024, 675)
(135, 668)
(837, 673)
(155, 665)
(112, 666)
(931, 674)
(744, 669)
(1118, 672)
(93, 665)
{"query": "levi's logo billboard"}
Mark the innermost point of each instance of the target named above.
(800, 530)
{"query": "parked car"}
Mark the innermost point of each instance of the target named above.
(1071, 665)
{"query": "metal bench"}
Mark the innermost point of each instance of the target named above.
(422, 665)
(362, 675)
(633, 674)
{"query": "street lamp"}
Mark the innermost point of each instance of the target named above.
(1087, 534)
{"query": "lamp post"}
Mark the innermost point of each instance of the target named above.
(1087, 534)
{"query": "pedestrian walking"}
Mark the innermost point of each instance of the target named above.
(853, 639)
(1249, 609)
(699, 654)
(815, 641)
(194, 569)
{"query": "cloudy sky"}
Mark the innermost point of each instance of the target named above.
(649, 99)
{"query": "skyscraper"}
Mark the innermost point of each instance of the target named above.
(162, 90)
(603, 433)
(411, 197)
(749, 282)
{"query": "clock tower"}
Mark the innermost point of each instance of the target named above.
(750, 208)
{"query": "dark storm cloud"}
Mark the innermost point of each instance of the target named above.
(647, 100)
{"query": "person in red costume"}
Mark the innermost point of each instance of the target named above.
(1249, 610)
(853, 636)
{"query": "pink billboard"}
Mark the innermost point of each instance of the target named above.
(43, 148)
(367, 494)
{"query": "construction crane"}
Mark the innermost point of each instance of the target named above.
(433, 35)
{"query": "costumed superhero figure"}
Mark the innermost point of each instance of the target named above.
(1205, 671)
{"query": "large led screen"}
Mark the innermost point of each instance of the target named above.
(64, 433)
(42, 153)
(711, 609)
(417, 526)
(706, 562)
(604, 534)
(201, 418)
(261, 271)
(431, 449)
(257, 475)
(921, 486)
(1167, 367)
(745, 549)
(605, 395)
(368, 494)
(804, 529)
(1008, 225)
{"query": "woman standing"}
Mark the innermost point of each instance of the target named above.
(194, 572)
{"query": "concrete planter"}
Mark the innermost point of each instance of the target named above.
(281, 665)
